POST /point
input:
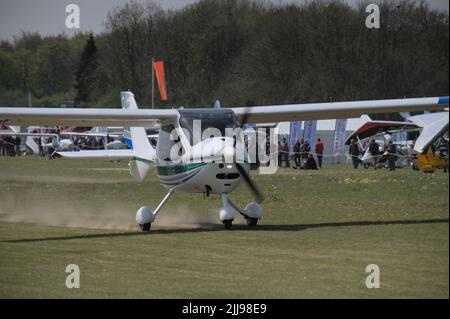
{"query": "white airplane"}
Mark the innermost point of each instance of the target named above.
(196, 170)
(381, 132)
(434, 126)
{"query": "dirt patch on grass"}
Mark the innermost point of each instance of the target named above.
(69, 213)
(64, 179)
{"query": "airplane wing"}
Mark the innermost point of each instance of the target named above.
(336, 110)
(371, 128)
(423, 120)
(257, 114)
(108, 154)
(430, 133)
(86, 117)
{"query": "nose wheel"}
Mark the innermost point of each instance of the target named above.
(252, 212)
(251, 222)
(145, 227)
(227, 224)
(145, 217)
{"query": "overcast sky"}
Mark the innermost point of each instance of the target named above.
(48, 16)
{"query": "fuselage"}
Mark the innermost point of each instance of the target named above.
(198, 157)
(199, 177)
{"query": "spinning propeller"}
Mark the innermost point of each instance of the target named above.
(259, 196)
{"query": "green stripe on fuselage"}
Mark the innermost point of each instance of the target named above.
(169, 170)
(177, 169)
(144, 160)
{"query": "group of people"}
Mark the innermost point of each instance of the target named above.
(10, 145)
(89, 142)
(303, 158)
(390, 151)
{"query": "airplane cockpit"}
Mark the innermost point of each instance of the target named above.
(215, 121)
(196, 125)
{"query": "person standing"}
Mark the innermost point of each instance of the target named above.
(307, 148)
(280, 153)
(2, 149)
(319, 151)
(18, 142)
(374, 150)
(286, 152)
(391, 155)
(297, 158)
(12, 146)
(354, 152)
(268, 150)
(41, 148)
(302, 150)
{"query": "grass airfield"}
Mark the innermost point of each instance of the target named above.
(318, 233)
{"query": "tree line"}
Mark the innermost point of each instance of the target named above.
(243, 52)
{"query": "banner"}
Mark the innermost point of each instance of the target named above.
(309, 132)
(294, 134)
(158, 67)
(339, 138)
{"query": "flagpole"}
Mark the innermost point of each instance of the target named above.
(153, 82)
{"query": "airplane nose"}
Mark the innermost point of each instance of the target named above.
(218, 149)
(228, 153)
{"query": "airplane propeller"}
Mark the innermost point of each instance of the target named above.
(259, 196)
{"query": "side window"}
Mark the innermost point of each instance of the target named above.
(164, 143)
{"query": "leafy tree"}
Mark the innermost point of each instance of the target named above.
(86, 75)
(238, 51)
(55, 66)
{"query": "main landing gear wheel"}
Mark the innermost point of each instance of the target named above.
(145, 218)
(227, 224)
(145, 227)
(253, 212)
(366, 165)
(251, 222)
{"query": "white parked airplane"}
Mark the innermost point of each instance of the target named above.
(197, 172)
(434, 126)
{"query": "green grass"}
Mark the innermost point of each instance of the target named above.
(318, 233)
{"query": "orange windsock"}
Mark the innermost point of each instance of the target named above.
(158, 67)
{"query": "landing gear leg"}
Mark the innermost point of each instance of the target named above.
(145, 217)
(226, 213)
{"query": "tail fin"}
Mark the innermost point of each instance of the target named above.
(144, 154)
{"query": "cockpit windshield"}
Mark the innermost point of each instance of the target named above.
(214, 119)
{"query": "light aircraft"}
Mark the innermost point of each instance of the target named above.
(432, 144)
(381, 132)
(197, 171)
(424, 145)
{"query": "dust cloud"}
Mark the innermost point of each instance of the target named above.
(65, 212)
